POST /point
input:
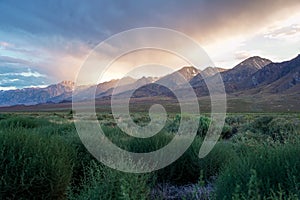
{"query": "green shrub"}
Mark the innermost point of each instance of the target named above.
(252, 139)
(142, 119)
(82, 160)
(173, 125)
(261, 172)
(23, 122)
(3, 116)
(281, 129)
(204, 123)
(227, 132)
(144, 145)
(104, 183)
(184, 170)
(57, 129)
(259, 125)
(234, 120)
(187, 169)
(33, 166)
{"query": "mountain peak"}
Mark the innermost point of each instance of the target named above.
(189, 69)
(188, 72)
(67, 83)
(175, 79)
(126, 80)
(254, 62)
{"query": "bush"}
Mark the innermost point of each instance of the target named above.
(281, 129)
(56, 129)
(172, 126)
(82, 160)
(259, 125)
(33, 166)
(105, 183)
(252, 139)
(227, 131)
(144, 145)
(261, 172)
(3, 116)
(204, 123)
(23, 122)
(187, 169)
(235, 120)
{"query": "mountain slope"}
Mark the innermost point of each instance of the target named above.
(179, 77)
(255, 77)
(163, 86)
(234, 78)
(276, 77)
(29, 96)
(245, 69)
(208, 72)
(123, 87)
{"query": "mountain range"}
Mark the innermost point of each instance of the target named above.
(254, 76)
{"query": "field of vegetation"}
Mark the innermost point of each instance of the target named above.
(257, 157)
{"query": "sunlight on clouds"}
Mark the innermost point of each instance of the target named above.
(126, 65)
(285, 33)
(151, 57)
(276, 41)
(286, 29)
(223, 52)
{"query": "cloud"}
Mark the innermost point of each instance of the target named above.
(31, 74)
(35, 86)
(96, 20)
(20, 77)
(13, 48)
(55, 36)
(5, 44)
(287, 32)
(12, 60)
(242, 55)
(7, 88)
(28, 73)
(5, 80)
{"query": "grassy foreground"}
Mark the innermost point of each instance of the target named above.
(257, 157)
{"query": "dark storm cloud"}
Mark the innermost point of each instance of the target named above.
(92, 21)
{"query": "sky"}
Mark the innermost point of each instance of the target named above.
(45, 42)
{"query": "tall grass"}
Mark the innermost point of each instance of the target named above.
(102, 182)
(261, 172)
(33, 166)
(257, 158)
(188, 168)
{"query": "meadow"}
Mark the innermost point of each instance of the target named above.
(257, 157)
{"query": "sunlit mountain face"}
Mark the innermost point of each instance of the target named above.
(254, 76)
